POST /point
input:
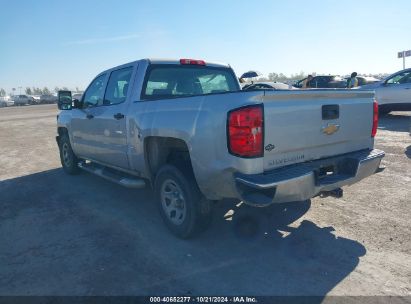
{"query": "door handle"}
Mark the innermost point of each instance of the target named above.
(118, 116)
(89, 116)
(330, 112)
(407, 88)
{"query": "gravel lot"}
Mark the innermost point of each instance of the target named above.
(81, 235)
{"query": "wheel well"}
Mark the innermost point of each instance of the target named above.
(167, 150)
(62, 131)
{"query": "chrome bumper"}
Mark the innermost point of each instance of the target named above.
(303, 181)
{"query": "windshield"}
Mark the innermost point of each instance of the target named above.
(171, 81)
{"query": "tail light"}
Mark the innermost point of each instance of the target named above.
(245, 131)
(192, 61)
(375, 120)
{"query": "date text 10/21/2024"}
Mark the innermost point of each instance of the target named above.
(203, 299)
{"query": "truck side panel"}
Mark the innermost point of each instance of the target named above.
(201, 123)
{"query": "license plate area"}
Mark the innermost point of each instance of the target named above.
(329, 173)
(325, 172)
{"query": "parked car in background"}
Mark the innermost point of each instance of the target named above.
(323, 81)
(394, 92)
(364, 80)
(6, 101)
(36, 98)
(44, 99)
(267, 85)
(76, 95)
(22, 100)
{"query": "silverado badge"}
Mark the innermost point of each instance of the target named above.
(330, 128)
(269, 147)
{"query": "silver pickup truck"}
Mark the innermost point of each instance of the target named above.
(185, 128)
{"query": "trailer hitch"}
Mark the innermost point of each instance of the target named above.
(337, 193)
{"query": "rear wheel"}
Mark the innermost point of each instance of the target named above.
(183, 208)
(68, 159)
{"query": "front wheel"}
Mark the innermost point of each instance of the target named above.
(183, 208)
(68, 159)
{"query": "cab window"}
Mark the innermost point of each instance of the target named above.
(213, 83)
(399, 78)
(95, 92)
(173, 81)
(117, 86)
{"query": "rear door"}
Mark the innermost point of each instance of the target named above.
(306, 125)
(107, 126)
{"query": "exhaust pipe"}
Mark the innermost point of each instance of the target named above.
(337, 193)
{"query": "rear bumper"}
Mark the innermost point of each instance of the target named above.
(303, 181)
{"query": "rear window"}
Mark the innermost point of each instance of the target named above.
(171, 81)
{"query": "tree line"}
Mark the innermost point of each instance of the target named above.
(38, 91)
(45, 90)
(280, 77)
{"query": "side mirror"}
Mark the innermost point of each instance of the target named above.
(64, 100)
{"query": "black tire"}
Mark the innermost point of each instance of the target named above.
(68, 159)
(194, 210)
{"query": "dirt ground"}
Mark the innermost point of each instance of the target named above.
(82, 235)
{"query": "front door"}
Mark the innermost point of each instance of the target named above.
(82, 134)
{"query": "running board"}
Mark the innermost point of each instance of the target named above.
(114, 176)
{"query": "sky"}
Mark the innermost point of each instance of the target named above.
(66, 43)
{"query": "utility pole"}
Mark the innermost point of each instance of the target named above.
(402, 55)
(403, 60)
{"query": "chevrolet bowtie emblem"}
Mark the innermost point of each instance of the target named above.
(330, 128)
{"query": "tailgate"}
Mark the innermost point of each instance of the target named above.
(306, 125)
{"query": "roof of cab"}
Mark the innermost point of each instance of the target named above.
(163, 61)
(177, 61)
